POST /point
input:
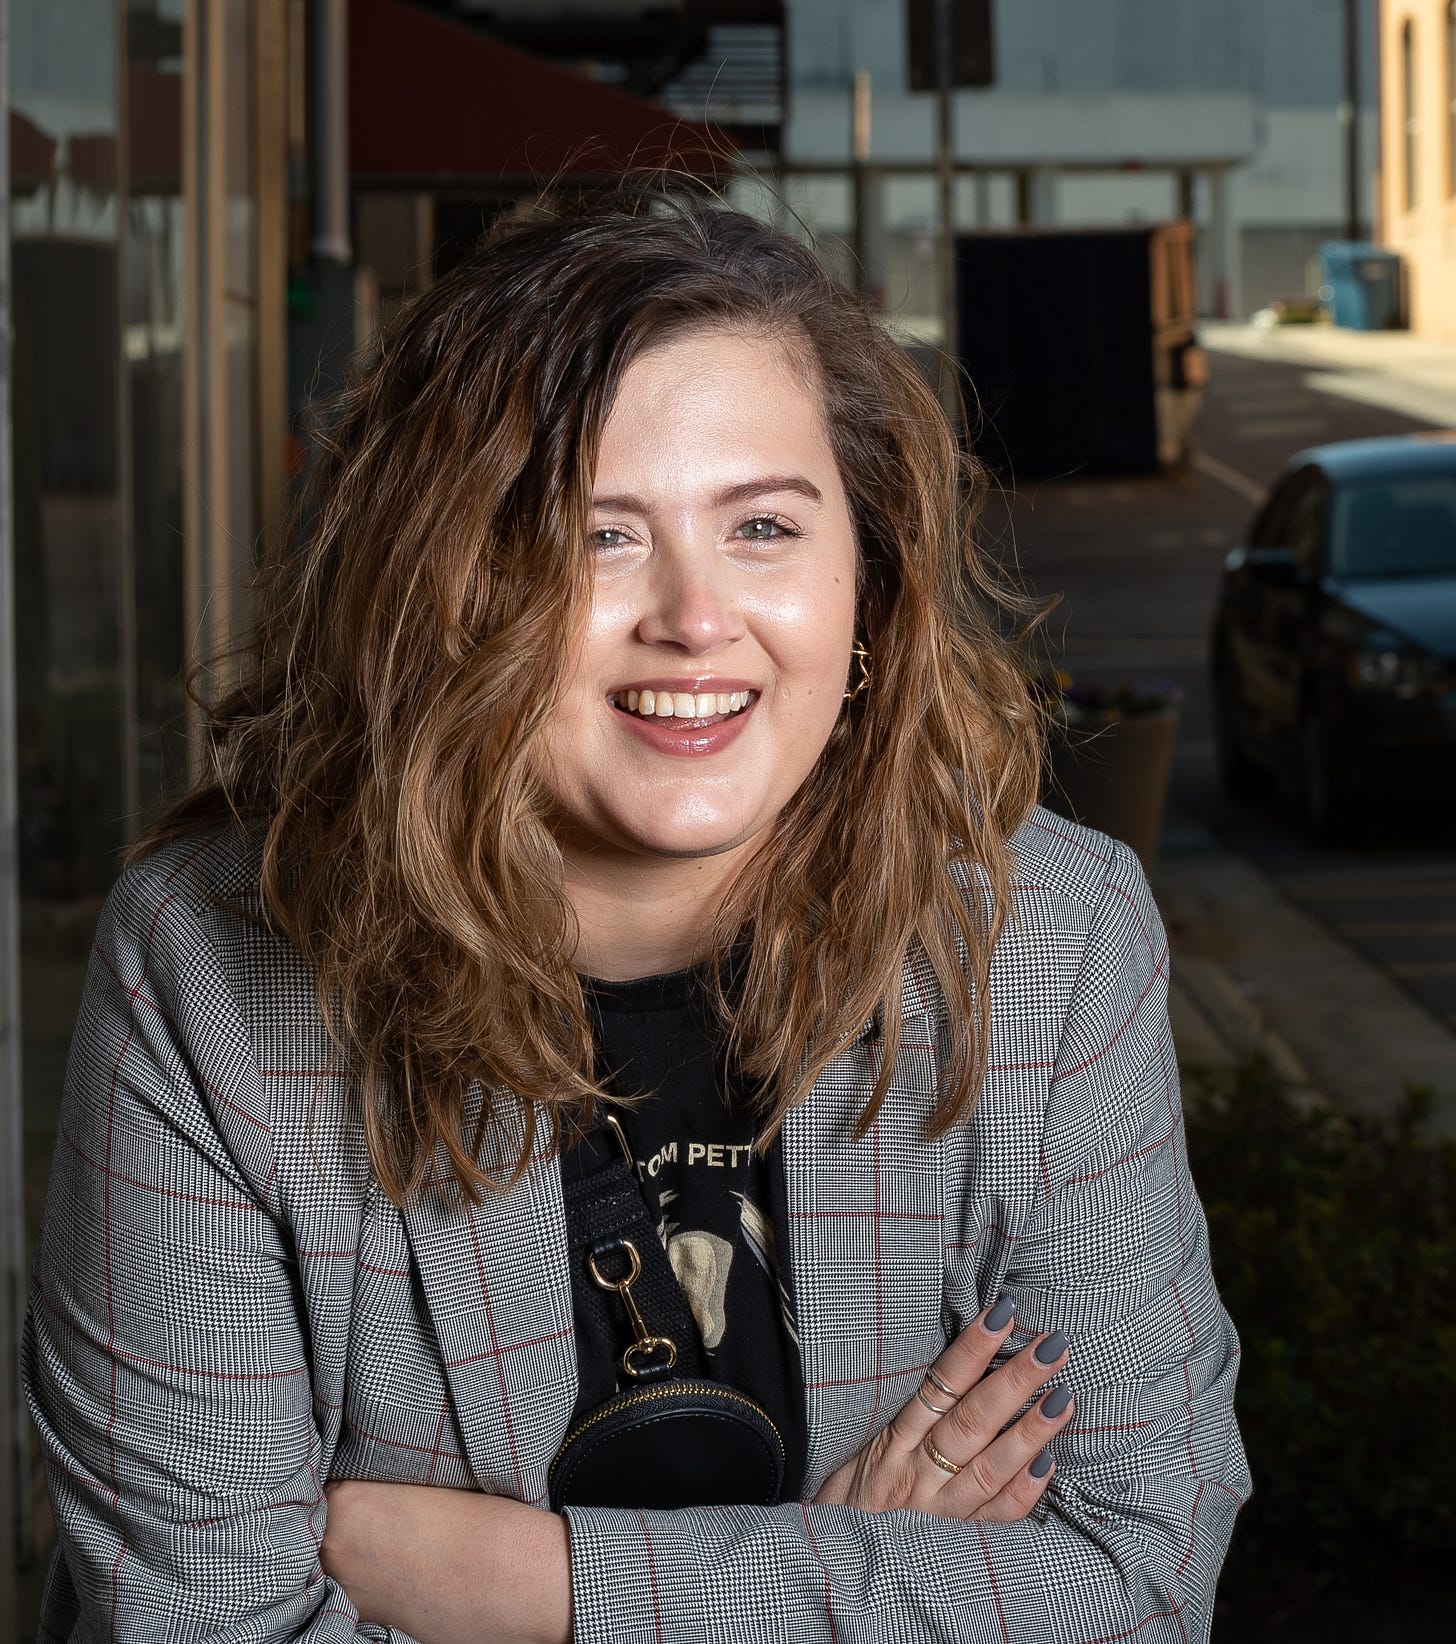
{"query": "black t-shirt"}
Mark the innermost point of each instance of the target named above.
(719, 1208)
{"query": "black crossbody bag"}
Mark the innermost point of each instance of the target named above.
(669, 1437)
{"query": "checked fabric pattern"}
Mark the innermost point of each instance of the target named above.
(226, 1312)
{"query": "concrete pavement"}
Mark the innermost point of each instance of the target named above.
(1394, 370)
(1252, 972)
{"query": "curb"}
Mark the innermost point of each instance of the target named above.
(1252, 972)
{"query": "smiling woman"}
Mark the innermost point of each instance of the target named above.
(610, 1086)
(724, 563)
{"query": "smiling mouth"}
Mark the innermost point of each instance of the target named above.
(683, 708)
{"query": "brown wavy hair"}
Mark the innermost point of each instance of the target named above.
(381, 740)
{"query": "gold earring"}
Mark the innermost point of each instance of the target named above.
(862, 684)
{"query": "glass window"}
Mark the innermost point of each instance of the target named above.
(70, 445)
(1306, 529)
(1271, 527)
(1404, 527)
(140, 454)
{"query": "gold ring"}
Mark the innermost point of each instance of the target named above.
(945, 1464)
(920, 1394)
(949, 1392)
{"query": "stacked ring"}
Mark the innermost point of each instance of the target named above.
(920, 1394)
(945, 1464)
(949, 1392)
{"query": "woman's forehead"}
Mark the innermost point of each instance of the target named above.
(715, 408)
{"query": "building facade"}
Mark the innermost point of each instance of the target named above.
(1418, 151)
(1102, 112)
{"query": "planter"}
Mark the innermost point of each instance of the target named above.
(1112, 774)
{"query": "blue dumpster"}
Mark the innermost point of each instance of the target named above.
(1361, 285)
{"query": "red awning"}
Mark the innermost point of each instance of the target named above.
(154, 129)
(154, 139)
(32, 154)
(432, 102)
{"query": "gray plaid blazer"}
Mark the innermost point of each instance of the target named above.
(227, 1312)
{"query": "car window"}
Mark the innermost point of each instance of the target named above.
(1294, 517)
(1399, 527)
(1305, 530)
(1267, 530)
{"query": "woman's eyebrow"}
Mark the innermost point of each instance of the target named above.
(746, 491)
(767, 486)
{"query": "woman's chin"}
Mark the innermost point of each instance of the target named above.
(667, 837)
(689, 843)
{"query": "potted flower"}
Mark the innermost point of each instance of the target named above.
(1110, 756)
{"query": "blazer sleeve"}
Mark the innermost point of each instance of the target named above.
(1129, 1538)
(165, 1360)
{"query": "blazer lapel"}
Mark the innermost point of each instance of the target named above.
(497, 1289)
(866, 1239)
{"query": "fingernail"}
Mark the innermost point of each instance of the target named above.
(1000, 1315)
(1052, 1348)
(1042, 1465)
(1055, 1402)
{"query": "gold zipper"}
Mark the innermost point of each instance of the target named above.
(646, 1395)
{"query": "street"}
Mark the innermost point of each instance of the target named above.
(1137, 562)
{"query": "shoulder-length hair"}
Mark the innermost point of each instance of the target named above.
(408, 641)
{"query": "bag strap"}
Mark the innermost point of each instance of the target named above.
(626, 1308)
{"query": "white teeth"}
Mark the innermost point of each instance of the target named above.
(683, 704)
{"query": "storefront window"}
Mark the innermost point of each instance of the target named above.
(136, 193)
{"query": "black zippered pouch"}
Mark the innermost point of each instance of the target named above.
(671, 1437)
(673, 1443)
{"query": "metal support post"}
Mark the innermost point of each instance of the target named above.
(859, 149)
(1350, 120)
(1223, 239)
(945, 191)
(327, 49)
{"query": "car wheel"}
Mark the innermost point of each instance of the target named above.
(1238, 775)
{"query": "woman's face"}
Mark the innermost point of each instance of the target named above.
(714, 659)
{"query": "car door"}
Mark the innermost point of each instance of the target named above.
(1252, 614)
(1290, 598)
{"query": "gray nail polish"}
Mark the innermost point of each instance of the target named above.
(1042, 1465)
(1052, 1348)
(1055, 1402)
(1000, 1315)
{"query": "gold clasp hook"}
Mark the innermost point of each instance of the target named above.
(646, 1345)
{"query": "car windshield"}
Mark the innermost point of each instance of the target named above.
(1402, 527)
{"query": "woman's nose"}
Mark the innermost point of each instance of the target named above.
(692, 604)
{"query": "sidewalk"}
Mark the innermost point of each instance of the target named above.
(1395, 370)
(1251, 972)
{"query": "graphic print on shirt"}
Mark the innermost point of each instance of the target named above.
(702, 1259)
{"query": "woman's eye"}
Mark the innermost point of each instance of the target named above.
(763, 528)
(607, 536)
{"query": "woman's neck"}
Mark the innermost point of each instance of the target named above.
(641, 916)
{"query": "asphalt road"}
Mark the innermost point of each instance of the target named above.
(1136, 562)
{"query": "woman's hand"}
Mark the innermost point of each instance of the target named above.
(982, 1472)
(449, 1566)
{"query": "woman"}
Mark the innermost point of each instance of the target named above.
(634, 659)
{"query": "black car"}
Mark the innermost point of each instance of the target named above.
(1334, 639)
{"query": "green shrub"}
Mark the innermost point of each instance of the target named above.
(1334, 1244)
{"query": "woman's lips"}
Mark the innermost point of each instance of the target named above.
(687, 737)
